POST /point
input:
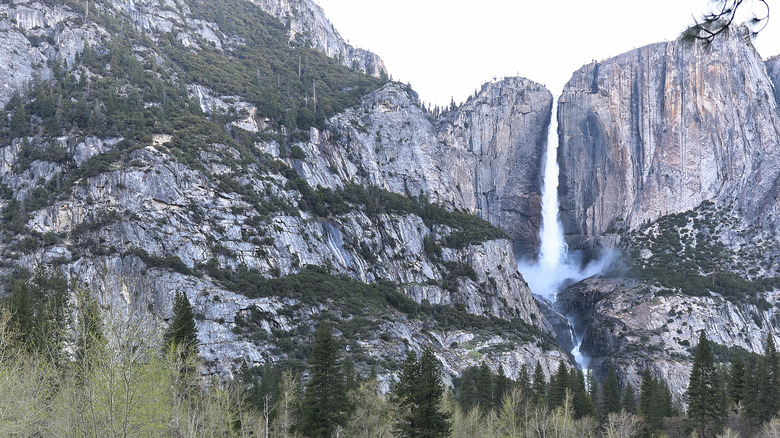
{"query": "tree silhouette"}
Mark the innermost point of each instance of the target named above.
(703, 393)
(720, 20)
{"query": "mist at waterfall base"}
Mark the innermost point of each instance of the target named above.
(555, 264)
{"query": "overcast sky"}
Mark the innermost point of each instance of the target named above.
(449, 48)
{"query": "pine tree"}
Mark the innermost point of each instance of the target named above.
(581, 401)
(325, 404)
(647, 396)
(467, 393)
(595, 396)
(751, 394)
(736, 380)
(22, 312)
(629, 399)
(703, 394)
(540, 385)
(89, 329)
(485, 388)
(611, 392)
(182, 335)
(559, 383)
(770, 388)
(502, 385)
(523, 380)
(419, 395)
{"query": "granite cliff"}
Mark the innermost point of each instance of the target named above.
(669, 153)
(661, 129)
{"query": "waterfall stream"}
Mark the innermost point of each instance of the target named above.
(554, 264)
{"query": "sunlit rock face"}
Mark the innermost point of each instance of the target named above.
(662, 128)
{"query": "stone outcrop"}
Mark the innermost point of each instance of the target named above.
(33, 37)
(634, 325)
(662, 128)
(494, 152)
(307, 23)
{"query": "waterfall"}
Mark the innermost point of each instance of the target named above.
(553, 248)
(554, 263)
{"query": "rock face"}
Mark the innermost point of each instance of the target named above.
(660, 129)
(32, 37)
(389, 142)
(494, 150)
(635, 325)
(485, 157)
(307, 22)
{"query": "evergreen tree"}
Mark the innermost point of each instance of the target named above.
(467, 389)
(703, 394)
(629, 399)
(325, 404)
(722, 394)
(90, 341)
(540, 385)
(350, 376)
(419, 395)
(650, 401)
(736, 385)
(770, 387)
(581, 401)
(22, 316)
(595, 396)
(523, 380)
(751, 395)
(502, 385)
(485, 388)
(559, 383)
(182, 335)
(40, 308)
(611, 391)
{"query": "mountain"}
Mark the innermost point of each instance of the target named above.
(670, 152)
(271, 172)
(245, 154)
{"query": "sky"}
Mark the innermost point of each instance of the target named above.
(448, 48)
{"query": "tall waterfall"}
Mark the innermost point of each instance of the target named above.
(554, 263)
(553, 249)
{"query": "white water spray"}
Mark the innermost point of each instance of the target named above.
(554, 264)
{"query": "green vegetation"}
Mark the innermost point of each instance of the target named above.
(292, 84)
(358, 309)
(706, 411)
(685, 255)
(182, 335)
(467, 229)
(419, 394)
(325, 404)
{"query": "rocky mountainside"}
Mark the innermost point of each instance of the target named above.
(307, 21)
(155, 147)
(661, 129)
(671, 154)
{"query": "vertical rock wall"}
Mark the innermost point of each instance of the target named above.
(662, 128)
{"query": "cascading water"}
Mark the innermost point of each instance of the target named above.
(553, 248)
(554, 263)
